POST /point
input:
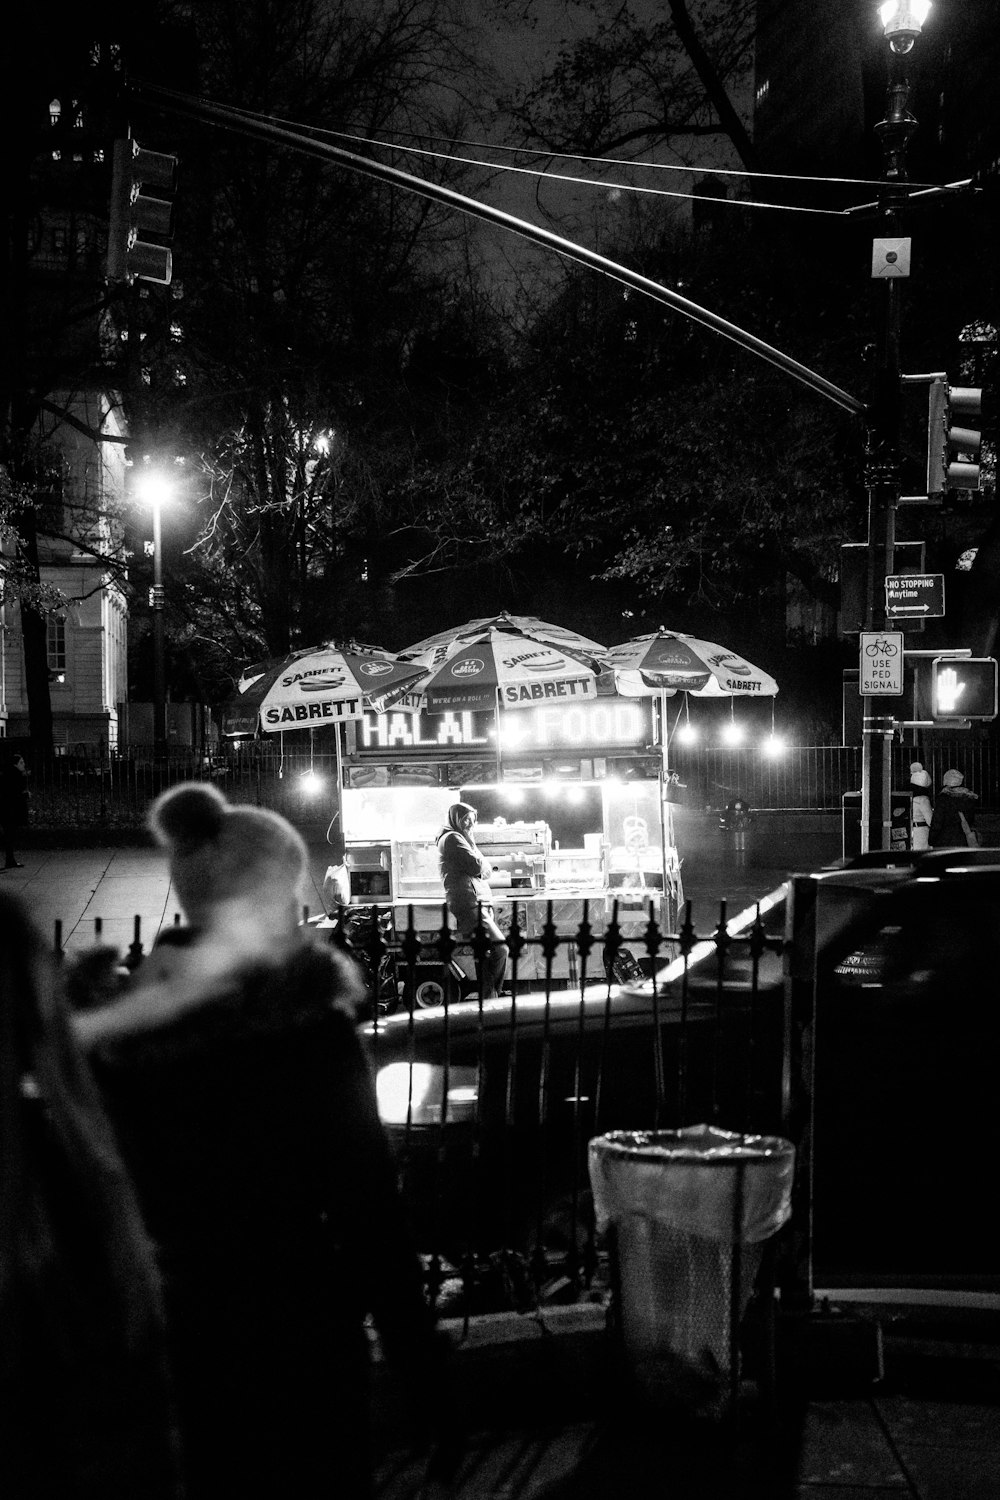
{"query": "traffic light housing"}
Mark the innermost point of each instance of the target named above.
(952, 451)
(963, 688)
(137, 213)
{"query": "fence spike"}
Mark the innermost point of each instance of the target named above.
(134, 956)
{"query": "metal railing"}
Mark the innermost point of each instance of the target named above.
(80, 790)
(813, 778)
(491, 1104)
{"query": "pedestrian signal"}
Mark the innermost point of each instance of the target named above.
(963, 688)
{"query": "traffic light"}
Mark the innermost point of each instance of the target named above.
(136, 214)
(952, 452)
(963, 687)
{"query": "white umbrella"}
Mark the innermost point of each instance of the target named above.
(320, 686)
(510, 661)
(668, 661)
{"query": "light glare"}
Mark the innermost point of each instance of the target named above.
(154, 488)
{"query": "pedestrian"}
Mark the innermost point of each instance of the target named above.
(14, 797)
(86, 1410)
(920, 807)
(246, 1110)
(735, 821)
(465, 877)
(953, 822)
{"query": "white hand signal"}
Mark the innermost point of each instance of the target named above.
(949, 690)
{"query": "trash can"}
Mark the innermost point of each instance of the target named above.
(690, 1212)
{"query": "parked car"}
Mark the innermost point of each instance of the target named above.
(891, 976)
(882, 1069)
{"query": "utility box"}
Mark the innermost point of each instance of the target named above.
(900, 813)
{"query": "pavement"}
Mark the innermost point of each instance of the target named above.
(120, 895)
(115, 896)
(922, 1435)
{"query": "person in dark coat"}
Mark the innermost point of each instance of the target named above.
(953, 824)
(465, 877)
(13, 804)
(246, 1111)
(86, 1404)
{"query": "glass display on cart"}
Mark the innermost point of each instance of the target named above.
(415, 872)
(368, 872)
(518, 853)
(388, 812)
(633, 836)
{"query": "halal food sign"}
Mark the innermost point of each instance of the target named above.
(600, 724)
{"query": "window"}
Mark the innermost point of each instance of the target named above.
(56, 647)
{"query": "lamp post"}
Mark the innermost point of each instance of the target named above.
(901, 23)
(156, 491)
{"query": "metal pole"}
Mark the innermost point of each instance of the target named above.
(882, 467)
(159, 669)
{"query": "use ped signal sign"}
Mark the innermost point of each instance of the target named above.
(881, 664)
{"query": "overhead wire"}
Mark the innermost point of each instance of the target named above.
(609, 161)
(228, 116)
(320, 132)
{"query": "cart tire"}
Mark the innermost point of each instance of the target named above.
(429, 992)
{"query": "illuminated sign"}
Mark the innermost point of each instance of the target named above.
(602, 724)
(400, 733)
(964, 687)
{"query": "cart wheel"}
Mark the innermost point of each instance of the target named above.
(429, 992)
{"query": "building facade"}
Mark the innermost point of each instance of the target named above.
(82, 572)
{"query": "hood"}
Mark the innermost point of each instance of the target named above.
(959, 793)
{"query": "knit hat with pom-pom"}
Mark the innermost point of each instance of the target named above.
(219, 853)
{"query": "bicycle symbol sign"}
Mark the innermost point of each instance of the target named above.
(881, 664)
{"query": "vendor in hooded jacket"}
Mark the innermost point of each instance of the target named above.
(465, 877)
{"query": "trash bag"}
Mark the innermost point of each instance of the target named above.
(678, 1202)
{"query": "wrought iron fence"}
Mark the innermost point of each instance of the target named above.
(491, 1103)
(817, 777)
(114, 792)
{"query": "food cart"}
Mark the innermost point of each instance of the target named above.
(576, 823)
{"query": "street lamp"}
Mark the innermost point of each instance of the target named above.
(902, 20)
(901, 23)
(156, 490)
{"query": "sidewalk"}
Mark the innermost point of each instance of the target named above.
(925, 1434)
(100, 895)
